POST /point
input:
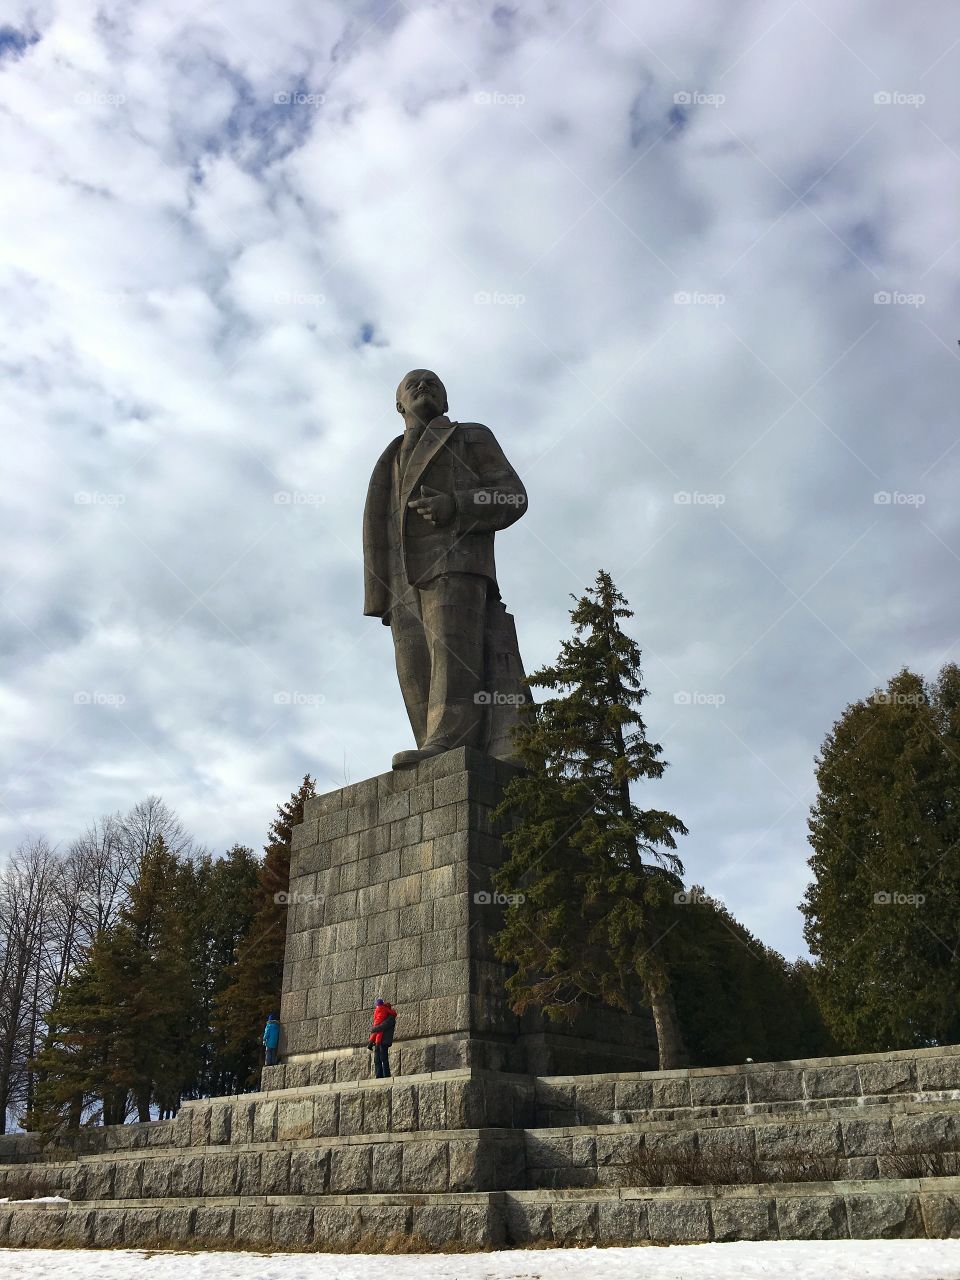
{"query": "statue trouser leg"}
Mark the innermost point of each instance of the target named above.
(453, 608)
(413, 661)
(438, 637)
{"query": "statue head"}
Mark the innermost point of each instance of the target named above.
(421, 396)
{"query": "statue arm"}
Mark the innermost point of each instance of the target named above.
(497, 499)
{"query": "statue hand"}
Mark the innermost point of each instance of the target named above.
(435, 507)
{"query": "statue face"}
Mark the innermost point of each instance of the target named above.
(422, 395)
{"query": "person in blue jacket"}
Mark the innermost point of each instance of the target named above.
(271, 1038)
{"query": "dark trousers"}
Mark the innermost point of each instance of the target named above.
(271, 1060)
(381, 1060)
(438, 636)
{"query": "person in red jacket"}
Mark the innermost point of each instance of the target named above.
(381, 1036)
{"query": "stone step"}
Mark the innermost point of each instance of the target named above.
(844, 1145)
(446, 1100)
(904, 1208)
(855, 1146)
(469, 1160)
(859, 1079)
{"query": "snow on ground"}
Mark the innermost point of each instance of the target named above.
(36, 1200)
(778, 1260)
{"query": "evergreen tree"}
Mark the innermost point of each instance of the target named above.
(254, 981)
(71, 1067)
(592, 872)
(736, 998)
(883, 911)
(224, 903)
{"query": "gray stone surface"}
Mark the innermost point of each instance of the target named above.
(679, 1221)
(743, 1218)
(889, 1217)
(391, 896)
(814, 1217)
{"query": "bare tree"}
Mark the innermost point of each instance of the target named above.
(26, 898)
(100, 871)
(148, 821)
(52, 906)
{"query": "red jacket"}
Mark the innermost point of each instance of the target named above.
(384, 1021)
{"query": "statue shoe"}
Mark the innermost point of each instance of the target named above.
(409, 759)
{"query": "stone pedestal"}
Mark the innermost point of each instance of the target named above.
(391, 895)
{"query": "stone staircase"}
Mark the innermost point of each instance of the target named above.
(472, 1158)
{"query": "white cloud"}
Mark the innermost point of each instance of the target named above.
(186, 274)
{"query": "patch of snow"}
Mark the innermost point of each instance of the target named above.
(774, 1260)
(37, 1200)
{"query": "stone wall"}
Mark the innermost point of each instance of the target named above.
(837, 1211)
(391, 896)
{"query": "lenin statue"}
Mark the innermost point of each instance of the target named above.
(436, 498)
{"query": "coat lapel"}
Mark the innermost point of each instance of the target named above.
(436, 435)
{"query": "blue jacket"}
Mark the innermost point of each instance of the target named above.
(271, 1034)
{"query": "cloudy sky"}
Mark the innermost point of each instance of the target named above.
(697, 266)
